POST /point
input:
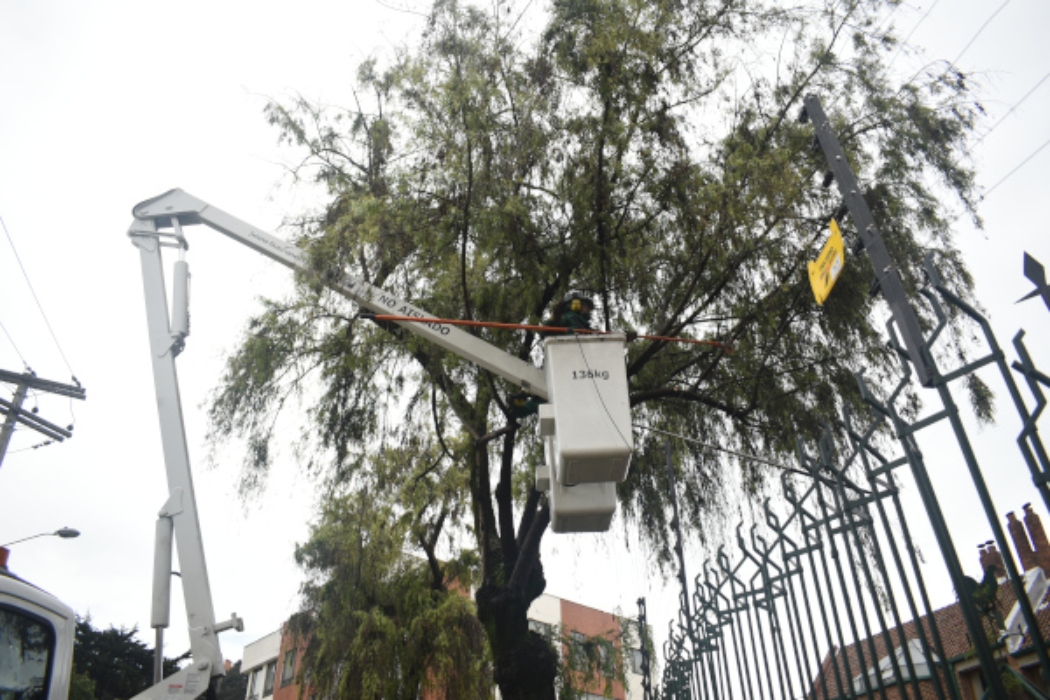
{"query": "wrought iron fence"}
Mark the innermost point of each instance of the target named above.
(826, 598)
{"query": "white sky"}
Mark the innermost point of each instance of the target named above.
(107, 103)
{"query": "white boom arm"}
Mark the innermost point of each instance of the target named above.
(172, 211)
(179, 207)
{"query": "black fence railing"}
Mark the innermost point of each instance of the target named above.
(826, 599)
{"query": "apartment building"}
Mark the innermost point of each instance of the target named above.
(272, 661)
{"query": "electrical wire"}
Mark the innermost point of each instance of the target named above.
(1015, 106)
(14, 345)
(977, 34)
(905, 41)
(965, 48)
(719, 448)
(32, 447)
(597, 390)
(35, 298)
(1006, 177)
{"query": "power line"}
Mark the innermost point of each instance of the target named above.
(14, 345)
(37, 446)
(1015, 106)
(905, 41)
(35, 298)
(974, 37)
(965, 48)
(1019, 166)
(719, 448)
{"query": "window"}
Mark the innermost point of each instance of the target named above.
(254, 684)
(604, 652)
(25, 655)
(288, 668)
(636, 660)
(542, 628)
(578, 650)
(271, 672)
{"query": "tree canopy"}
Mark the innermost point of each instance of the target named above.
(380, 623)
(647, 152)
(111, 664)
(234, 685)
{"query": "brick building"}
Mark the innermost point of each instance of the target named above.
(549, 613)
(272, 662)
(844, 666)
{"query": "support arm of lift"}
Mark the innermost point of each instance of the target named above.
(157, 224)
(178, 207)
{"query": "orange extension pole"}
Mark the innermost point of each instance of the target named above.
(542, 329)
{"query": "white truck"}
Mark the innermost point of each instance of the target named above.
(36, 640)
(586, 429)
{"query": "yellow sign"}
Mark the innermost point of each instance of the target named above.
(826, 270)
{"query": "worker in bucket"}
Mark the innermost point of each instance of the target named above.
(572, 313)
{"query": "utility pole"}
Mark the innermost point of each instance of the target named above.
(887, 276)
(13, 409)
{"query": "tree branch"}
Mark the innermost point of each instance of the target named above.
(529, 554)
(505, 501)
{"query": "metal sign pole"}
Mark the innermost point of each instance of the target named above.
(886, 274)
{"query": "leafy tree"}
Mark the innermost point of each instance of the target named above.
(645, 150)
(381, 624)
(81, 687)
(593, 665)
(235, 685)
(112, 664)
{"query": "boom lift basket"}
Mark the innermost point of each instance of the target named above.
(587, 382)
(580, 508)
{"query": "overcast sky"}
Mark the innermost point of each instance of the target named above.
(107, 103)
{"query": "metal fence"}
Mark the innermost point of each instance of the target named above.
(826, 599)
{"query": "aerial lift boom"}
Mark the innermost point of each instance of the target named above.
(583, 502)
(176, 208)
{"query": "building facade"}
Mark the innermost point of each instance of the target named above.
(852, 672)
(272, 662)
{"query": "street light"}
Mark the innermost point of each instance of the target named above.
(65, 533)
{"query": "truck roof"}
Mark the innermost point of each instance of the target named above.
(17, 587)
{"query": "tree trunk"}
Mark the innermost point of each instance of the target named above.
(525, 664)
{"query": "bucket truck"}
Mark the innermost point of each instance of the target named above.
(585, 427)
(36, 639)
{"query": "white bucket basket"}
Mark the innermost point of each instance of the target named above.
(580, 508)
(587, 381)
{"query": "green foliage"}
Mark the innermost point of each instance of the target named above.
(592, 664)
(81, 687)
(234, 685)
(111, 664)
(1012, 683)
(647, 152)
(379, 623)
(981, 399)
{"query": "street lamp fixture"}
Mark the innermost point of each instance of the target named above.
(65, 533)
